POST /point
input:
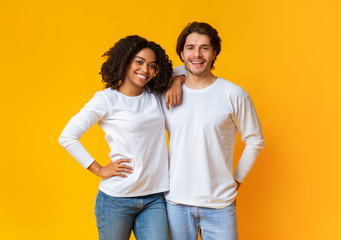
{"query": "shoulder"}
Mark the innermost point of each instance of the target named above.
(102, 99)
(108, 94)
(150, 94)
(231, 89)
(152, 97)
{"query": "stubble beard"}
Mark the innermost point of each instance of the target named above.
(198, 73)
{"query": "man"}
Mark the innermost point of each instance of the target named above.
(202, 132)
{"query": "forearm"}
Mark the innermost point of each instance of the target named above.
(173, 95)
(95, 168)
(178, 80)
(250, 129)
(246, 163)
(69, 139)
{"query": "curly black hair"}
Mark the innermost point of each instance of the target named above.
(119, 57)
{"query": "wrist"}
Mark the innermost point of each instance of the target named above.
(96, 168)
(99, 172)
(179, 79)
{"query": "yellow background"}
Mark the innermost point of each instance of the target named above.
(286, 54)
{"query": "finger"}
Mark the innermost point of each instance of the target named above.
(121, 175)
(177, 99)
(172, 101)
(167, 102)
(119, 161)
(117, 173)
(125, 166)
(124, 170)
(180, 98)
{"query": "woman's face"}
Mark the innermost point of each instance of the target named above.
(141, 69)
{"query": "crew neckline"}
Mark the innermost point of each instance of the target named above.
(201, 90)
(131, 97)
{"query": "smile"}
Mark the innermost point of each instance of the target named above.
(143, 77)
(197, 62)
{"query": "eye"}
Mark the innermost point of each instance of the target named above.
(139, 62)
(153, 66)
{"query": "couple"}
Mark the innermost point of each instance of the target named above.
(197, 181)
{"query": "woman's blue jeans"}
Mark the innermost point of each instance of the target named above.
(117, 216)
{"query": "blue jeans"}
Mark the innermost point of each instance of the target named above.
(213, 224)
(116, 217)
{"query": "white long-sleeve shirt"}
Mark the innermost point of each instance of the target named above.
(134, 129)
(202, 132)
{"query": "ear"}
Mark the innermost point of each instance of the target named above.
(182, 56)
(214, 54)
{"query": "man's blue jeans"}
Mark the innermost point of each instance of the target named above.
(116, 217)
(218, 224)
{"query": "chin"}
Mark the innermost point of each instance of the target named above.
(197, 72)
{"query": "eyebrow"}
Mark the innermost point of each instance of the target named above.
(144, 59)
(203, 45)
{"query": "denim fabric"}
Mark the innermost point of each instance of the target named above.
(213, 224)
(116, 217)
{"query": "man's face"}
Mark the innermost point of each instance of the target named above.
(198, 54)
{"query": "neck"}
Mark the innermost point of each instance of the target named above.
(130, 91)
(199, 81)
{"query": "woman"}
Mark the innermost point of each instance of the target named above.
(130, 193)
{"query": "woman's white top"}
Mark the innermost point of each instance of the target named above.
(134, 129)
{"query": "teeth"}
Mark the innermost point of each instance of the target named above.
(141, 76)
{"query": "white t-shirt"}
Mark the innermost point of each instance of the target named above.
(202, 132)
(134, 129)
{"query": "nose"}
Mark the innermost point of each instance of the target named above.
(197, 52)
(144, 68)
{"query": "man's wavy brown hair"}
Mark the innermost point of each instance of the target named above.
(201, 28)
